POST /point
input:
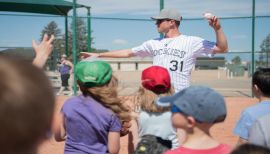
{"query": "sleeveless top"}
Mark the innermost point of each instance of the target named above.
(64, 68)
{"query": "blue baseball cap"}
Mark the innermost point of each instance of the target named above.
(200, 102)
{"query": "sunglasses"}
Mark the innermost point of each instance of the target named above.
(162, 20)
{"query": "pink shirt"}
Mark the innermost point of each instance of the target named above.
(220, 149)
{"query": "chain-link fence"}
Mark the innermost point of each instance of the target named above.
(112, 33)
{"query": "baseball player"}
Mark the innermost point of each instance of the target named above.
(175, 51)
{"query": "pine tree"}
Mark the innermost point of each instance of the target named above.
(81, 37)
(237, 60)
(265, 50)
(52, 28)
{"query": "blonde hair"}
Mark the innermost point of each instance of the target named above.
(107, 95)
(146, 100)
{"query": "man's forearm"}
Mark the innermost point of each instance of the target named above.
(117, 54)
(221, 41)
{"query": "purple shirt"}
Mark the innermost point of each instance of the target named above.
(64, 69)
(87, 125)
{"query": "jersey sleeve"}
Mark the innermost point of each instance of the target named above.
(143, 50)
(202, 47)
(115, 124)
(243, 126)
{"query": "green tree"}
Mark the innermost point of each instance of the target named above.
(237, 60)
(52, 29)
(81, 37)
(265, 50)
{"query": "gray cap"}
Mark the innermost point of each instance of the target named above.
(168, 14)
(202, 103)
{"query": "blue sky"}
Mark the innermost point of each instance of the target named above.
(114, 34)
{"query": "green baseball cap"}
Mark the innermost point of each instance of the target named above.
(93, 73)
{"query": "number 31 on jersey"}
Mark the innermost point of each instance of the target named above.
(175, 65)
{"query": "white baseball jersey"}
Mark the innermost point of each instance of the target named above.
(177, 54)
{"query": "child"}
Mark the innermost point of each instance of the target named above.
(260, 88)
(91, 122)
(196, 109)
(154, 121)
(26, 102)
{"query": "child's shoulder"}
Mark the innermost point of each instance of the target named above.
(71, 102)
(74, 99)
(75, 102)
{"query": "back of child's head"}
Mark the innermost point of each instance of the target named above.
(261, 78)
(156, 79)
(93, 73)
(26, 105)
(155, 82)
(204, 104)
(96, 80)
(250, 149)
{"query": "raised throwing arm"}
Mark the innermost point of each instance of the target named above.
(221, 40)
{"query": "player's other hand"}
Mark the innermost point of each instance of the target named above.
(88, 54)
(214, 22)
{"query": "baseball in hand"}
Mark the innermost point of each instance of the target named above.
(207, 15)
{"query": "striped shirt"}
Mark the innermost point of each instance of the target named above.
(177, 54)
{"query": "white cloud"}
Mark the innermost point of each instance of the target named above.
(120, 42)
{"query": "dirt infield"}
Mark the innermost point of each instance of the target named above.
(222, 132)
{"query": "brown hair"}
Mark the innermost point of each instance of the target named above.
(146, 100)
(249, 148)
(26, 105)
(107, 95)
